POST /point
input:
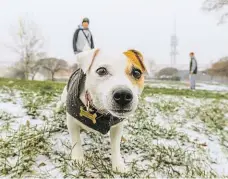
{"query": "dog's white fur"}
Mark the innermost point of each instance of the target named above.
(101, 89)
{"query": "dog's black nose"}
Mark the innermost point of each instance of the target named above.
(122, 96)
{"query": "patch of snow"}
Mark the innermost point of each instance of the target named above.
(14, 109)
(212, 147)
(200, 86)
(210, 144)
(45, 166)
(208, 87)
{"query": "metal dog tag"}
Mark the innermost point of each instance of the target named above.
(88, 115)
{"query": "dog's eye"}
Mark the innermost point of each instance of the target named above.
(102, 71)
(136, 73)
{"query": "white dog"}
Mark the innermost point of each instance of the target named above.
(100, 95)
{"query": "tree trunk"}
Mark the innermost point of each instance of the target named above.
(52, 76)
(33, 76)
(26, 71)
(26, 75)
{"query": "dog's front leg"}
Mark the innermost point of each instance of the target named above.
(74, 131)
(115, 135)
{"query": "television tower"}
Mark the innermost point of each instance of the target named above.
(174, 43)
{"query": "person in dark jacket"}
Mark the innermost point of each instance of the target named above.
(83, 38)
(192, 71)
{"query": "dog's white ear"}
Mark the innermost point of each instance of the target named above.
(86, 58)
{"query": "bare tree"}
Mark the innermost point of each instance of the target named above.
(34, 69)
(211, 73)
(74, 67)
(28, 45)
(168, 73)
(219, 68)
(216, 5)
(17, 71)
(53, 65)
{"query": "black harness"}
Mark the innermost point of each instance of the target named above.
(74, 106)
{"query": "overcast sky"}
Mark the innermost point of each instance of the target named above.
(145, 25)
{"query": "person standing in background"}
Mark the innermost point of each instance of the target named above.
(192, 71)
(83, 38)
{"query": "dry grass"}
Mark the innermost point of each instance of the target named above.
(152, 149)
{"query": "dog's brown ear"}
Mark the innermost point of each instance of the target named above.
(137, 59)
(86, 58)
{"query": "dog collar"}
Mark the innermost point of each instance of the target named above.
(86, 114)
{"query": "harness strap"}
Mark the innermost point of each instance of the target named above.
(101, 122)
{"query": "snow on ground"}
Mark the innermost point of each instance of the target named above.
(212, 87)
(210, 142)
(169, 136)
(185, 85)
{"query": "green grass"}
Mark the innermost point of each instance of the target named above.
(167, 107)
(148, 91)
(182, 158)
(23, 145)
(4, 116)
(44, 87)
(35, 94)
(50, 87)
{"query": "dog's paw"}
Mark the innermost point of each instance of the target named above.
(119, 167)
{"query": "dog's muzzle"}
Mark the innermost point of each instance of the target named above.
(122, 97)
